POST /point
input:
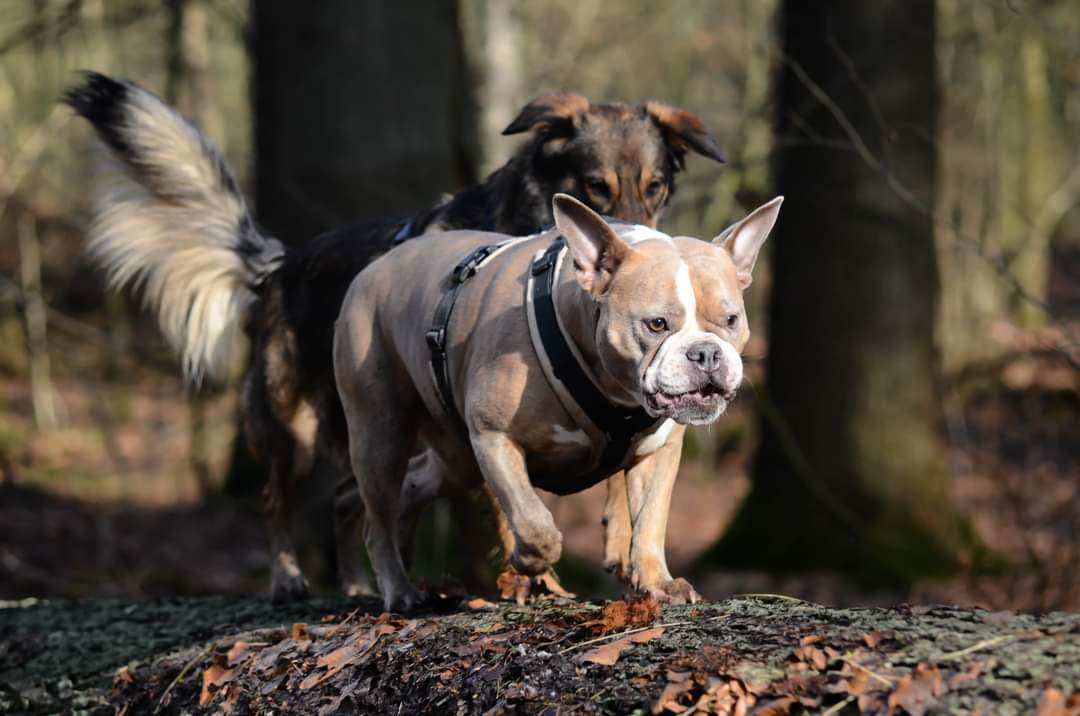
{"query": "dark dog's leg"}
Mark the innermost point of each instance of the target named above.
(286, 446)
(348, 532)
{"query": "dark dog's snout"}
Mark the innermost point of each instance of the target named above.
(706, 355)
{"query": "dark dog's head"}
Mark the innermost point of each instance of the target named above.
(619, 159)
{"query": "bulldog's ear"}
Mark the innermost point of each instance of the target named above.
(551, 109)
(595, 247)
(744, 238)
(684, 131)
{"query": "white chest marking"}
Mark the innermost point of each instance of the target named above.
(562, 436)
(657, 440)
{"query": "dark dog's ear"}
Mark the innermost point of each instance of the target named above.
(550, 109)
(684, 131)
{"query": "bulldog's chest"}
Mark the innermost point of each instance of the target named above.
(567, 452)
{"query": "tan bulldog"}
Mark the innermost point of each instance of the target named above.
(657, 322)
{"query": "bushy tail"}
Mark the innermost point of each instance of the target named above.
(169, 219)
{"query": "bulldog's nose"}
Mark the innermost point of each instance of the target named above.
(706, 355)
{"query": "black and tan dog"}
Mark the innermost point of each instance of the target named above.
(170, 219)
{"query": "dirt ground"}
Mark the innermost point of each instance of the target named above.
(756, 655)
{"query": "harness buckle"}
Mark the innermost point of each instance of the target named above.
(545, 262)
(436, 338)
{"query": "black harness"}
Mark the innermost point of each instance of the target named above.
(436, 337)
(619, 425)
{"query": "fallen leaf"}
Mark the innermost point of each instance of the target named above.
(812, 639)
(354, 651)
(238, 653)
(124, 677)
(608, 654)
(776, 707)
(814, 657)
(971, 673)
(872, 639)
(478, 603)
(215, 676)
(917, 691)
(1054, 703)
(679, 682)
(300, 632)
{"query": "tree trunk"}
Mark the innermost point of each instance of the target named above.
(851, 474)
(361, 110)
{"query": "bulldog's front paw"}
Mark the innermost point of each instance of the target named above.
(536, 549)
(674, 591)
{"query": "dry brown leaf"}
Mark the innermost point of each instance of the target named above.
(478, 603)
(215, 676)
(354, 651)
(1054, 703)
(812, 639)
(608, 654)
(669, 697)
(300, 632)
(872, 639)
(813, 657)
(776, 707)
(238, 653)
(917, 691)
(971, 673)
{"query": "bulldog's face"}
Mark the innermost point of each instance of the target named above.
(671, 323)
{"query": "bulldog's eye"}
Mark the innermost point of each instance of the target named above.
(657, 325)
(732, 319)
(653, 189)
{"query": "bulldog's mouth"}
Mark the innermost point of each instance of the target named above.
(707, 396)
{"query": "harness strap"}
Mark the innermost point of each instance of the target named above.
(436, 336)
(618, 424)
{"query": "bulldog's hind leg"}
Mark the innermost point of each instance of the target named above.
(424, 481)
(382, 412)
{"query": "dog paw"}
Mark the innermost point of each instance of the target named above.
(619, 567)
(536, 548)
(357, 588)
(403, 600)
(673, 591)
(288, 588)
(519, 587)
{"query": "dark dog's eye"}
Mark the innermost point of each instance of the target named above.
(732, 319)
(600, 188)
(656, 325)
(653, 189)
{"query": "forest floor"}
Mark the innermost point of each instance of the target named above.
(743, 655)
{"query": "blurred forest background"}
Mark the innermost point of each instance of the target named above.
(913, 431)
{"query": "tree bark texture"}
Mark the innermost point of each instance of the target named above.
(850, 473)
